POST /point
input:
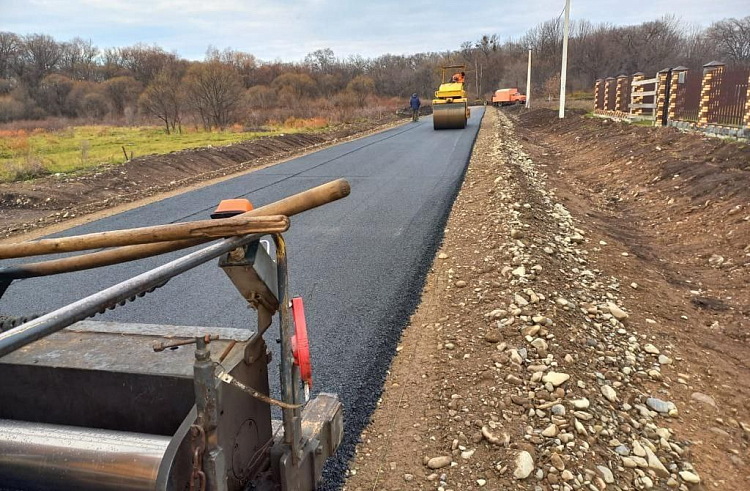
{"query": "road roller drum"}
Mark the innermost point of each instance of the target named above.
(449, 116)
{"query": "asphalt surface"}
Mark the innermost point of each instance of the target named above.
(359, 263)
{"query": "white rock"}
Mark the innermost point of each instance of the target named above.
(617, 312)
(580, 403)
(655, 464)
(443, 255)
(556, 378)
(690, 477)
(606, 474)
(439, 462)
(609, 393)
(524, 465)
(539, 344)
(638, 449)
(650, 348)
(550, 431)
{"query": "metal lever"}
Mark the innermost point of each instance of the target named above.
(162, 345)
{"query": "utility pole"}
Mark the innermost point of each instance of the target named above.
(476, 76)
(528, 83)
(564, 69)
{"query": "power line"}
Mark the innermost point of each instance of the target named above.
(561, 13)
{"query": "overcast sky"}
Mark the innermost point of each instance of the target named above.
(288, 29)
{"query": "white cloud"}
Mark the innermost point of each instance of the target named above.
(289, 29)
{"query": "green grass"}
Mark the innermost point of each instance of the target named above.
(26, 155)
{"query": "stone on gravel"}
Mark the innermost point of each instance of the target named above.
(622, 450)
(650, 348)
(617, 312)
(664, 407)
(493, 337)
(606, 474)
(524, 465)
(688, 476)
(550, 431)
(460, 283)
(580, 403)
(557, 462)
(703, 398)
(443, 255)
(439, 462)
(655, 464)
(539, 344)
(556, 378)
(609, 393)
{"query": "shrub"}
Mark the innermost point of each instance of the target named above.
(26, 168)
(10, 109)
(95, 105)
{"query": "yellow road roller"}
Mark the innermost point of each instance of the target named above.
(450, 107)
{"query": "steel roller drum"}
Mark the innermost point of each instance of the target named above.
(449, 116)
(43, 457)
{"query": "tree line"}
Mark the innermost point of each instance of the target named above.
(41, 77)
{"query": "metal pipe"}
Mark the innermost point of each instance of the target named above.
(44, 457)
(63, 317)
(289, 394)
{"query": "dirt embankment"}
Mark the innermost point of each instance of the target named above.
(679, 201)
(565, 341)
(41, 202)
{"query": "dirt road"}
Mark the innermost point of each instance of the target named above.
(584, 325)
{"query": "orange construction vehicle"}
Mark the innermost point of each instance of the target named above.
(506, 97)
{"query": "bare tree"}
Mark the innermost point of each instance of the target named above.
(321, 60)
(144, 62)
(214, 90)
(40, 56)
(164, 99)
(78, 59)
(10, 46)
(732, 38)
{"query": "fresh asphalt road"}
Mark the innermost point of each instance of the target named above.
(359, 263)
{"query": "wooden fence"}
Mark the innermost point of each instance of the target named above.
(715, 99)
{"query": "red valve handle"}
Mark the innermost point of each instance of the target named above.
(300, 342)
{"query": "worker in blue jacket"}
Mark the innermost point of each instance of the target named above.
(415, 103)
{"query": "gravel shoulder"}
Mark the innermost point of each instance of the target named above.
(565, 338)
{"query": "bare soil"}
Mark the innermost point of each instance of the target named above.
(618, 255)
(39, 203)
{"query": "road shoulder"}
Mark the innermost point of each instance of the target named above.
(529, 363)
